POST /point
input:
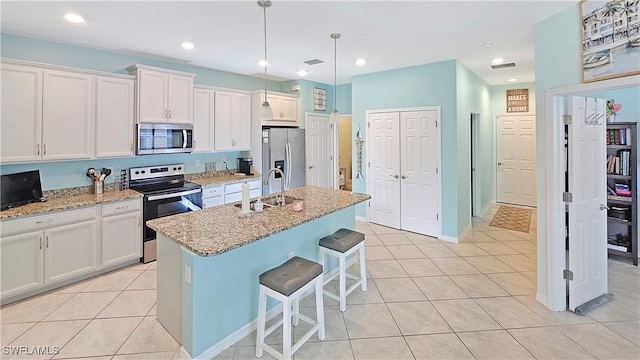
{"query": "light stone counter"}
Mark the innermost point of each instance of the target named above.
(219, 229)
(219, 178)
(68, 203)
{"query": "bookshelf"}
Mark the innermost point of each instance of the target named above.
(622, 194)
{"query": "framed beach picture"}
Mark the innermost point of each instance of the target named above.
(610, 39)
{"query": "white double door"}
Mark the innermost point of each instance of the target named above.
(404, 156)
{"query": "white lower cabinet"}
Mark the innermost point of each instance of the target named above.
(21, 263)
(233, 192)
(41, 251)
(70, 251)
(121, 232)
(46, 249)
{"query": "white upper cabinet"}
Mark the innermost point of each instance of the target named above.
(163, 95)
(284, 106)
(21, 113)
(62, 114)
(67, 119)
(114, 109)
(232, 122)
(203, 117)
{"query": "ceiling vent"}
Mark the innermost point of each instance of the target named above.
(313, 62)
(502, 66)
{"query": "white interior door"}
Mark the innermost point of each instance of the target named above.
(516, 157)
(319, 151)
(419, 165)
(587, 215)
(384, 170)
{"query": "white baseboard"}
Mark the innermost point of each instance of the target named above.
(485, 210)
(465, 232)
(543, 300)
(451, 239)
(361, 218)
(241, 333)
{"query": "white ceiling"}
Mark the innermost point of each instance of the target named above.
(228, 35)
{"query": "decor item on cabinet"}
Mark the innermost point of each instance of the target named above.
(319, 99)
(609, 46)
(266, 111)
(622, 192)
(335, 115)
(359, 142)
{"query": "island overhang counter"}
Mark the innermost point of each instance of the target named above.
(209, 262)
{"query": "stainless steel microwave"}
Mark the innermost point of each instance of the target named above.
(163, 138)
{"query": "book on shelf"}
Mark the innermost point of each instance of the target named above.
(623, 190)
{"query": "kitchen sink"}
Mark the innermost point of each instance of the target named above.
(268, 202)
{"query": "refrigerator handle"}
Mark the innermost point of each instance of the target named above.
(287, 154)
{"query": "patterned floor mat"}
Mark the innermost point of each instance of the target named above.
(512, 218)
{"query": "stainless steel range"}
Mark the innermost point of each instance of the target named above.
(166, 193)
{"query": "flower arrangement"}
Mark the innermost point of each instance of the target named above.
(612, 110)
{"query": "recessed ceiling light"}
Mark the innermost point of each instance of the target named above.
(487, 45)
(513, 79)
(361, 61)
(497, 61)
(263, 63)
(302, 72)
(187, 45)
(74, 18)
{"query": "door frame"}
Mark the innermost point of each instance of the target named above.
(550, 153)
(335, 150)
(474, 160)
(438, 134)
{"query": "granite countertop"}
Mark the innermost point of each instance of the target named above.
(219, 178)
(68, 203)
(219, 229)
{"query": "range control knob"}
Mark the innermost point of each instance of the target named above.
(137, 172)
(180, 168)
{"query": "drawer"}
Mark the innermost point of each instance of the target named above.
(213, 191)
(229, 198)
(121, 207)
(237, 187)
(42, 222)
(212, 201)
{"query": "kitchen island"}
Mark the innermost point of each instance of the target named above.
(209, 262)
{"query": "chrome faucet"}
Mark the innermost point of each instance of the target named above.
(266, 181)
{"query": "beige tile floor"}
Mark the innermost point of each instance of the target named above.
(427, 299)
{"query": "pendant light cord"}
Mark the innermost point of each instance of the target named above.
(335, 69)
(265, 53)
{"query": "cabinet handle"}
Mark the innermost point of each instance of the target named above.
(47, 242)
(169, 114)
(404, 177)
(138, 220)
(41, 243)
(44, 149)
(122, 207)
(194, 144)
(38, 150)
(44, 221)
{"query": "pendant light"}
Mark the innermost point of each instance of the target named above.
(265, 112)
(335, 115)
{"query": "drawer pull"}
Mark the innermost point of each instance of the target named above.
(41, 243)
(122, 207)
(48, 221)
(47, 242)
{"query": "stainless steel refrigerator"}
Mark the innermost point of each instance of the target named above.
(283, 148)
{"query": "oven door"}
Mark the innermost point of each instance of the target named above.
(161, 205)
(164, 138)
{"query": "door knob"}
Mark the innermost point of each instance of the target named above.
(499, 164)
(394, 176)
(310, 167)
(603, 207)
(404, 177)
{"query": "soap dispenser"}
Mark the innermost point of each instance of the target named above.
(258, 206)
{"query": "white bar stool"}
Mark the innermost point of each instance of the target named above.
(341, 244)
(286, 283)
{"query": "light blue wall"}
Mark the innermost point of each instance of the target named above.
(71, 173)
(343, 98)
(306, 96)
(423, 85)
(629, 99)
(473, 96)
